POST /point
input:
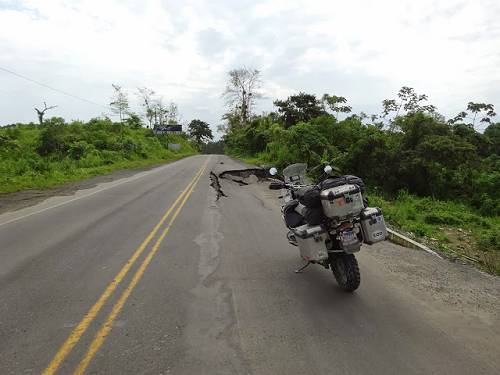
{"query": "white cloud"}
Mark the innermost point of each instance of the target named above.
(362, 50)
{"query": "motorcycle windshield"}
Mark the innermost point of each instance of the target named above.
(296, 174)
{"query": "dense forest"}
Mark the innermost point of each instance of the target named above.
(417, 151)
(444, 172)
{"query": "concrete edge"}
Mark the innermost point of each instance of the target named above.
(399, 239)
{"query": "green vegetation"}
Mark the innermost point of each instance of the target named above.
(437, 179)
(448, 226)
(40, 156)
(200, 132)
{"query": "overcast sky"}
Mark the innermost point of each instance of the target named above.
(364, 50)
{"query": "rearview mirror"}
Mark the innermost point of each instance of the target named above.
(328, 169)
(273, 171)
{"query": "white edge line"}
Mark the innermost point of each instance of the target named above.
(129, 179)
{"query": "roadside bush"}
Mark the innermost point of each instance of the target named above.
(78, 149)
(128, 146)
(53, 137)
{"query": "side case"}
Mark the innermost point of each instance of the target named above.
(373, 225)
(342, 202)
(311, 241)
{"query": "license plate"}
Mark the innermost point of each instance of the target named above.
(348, 236)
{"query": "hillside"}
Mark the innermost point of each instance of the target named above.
(34, 156)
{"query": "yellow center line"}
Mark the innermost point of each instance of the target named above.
(80, 329)
(106, 327)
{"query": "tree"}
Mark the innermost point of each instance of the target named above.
(200, 131)
(409, 101)
(334, 103)
(147, 102)
(119, 104)
(242, 92)
(214, 147)
(492, 132)
(134, 121)
(173, 113)
(160, 112)
(487, 111)
(41, 112)
(54, 138)
(467, 133)
(299, 108)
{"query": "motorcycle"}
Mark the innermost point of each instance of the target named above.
(328, 221)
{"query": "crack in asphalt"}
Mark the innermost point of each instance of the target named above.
(215, 184)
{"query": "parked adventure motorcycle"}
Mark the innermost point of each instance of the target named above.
(328, 221)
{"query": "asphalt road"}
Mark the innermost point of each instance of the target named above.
(114, 280)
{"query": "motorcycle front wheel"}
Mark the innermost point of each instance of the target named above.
(346, 271)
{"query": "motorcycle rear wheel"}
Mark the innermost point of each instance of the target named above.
(346, 271)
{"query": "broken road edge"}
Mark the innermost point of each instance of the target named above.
(261, 173)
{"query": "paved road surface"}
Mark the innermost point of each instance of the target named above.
(87, 285)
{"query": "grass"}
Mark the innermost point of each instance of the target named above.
(34, 157)
(453, 228)
(61, 173)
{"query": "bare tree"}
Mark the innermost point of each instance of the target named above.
(242, 91)
(173, 113)
(41, 112)
(156, 111)
(147, 101)
(160, 112)
(119, 104)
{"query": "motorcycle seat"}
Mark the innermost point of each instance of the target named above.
(292, 218)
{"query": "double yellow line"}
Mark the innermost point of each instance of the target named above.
(106, 327)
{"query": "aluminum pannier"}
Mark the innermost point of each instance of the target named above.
(342, 202)
(373, 225)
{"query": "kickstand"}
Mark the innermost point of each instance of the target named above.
(303, 267)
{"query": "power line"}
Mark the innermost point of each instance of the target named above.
(52, 88)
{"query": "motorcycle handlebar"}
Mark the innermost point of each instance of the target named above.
(276, 185)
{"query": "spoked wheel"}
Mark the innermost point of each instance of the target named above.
(346, 271)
